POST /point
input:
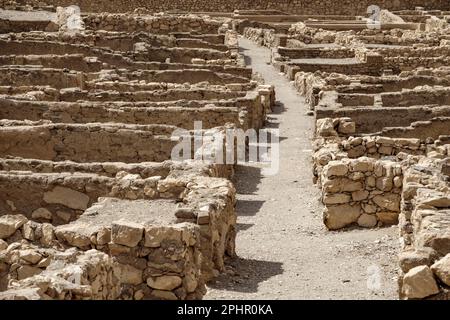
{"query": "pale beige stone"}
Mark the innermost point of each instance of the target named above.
(41, 213)
(164, 282)
(389, 201)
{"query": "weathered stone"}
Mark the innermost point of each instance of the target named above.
(41, 213)
(419, 283)
(48, 234)
(325, 127)
(442, 269)
(128, 274)
(164, 282)
(336, 217)
(362, 164)
(10, 223)
(335, 168)
(30, 256)
(347, 127)
(126, 233)
(67, 197)
(413, 258)
(27, 271)
(164, 295)
(3, 245)
(384, 184)
(356, 152)
(369, 208)
(367, 220)
(360, 195)
(154, 235)
(398, 182)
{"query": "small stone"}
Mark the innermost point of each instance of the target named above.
(128, 274)
(398, 182)
(414, 258)
(389, 201)
(385, 150)
(335, 168)
(10, 223)
(139, 295)
(164, 295)
(360, 195)
(336, 198)
(67, 197)
(419, 283)
(154, 235)
(27, 271)
(367, 220)
(3, 245)
(126, 233)
(30, 256)
(41, 213)
(64, 216)
(164, 282)
(347, 127)
(388, 217)
(442, 269)
(371, 182)
(336, 217)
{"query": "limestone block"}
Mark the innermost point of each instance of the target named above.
(389, 201)
(335, 168)
(367, 220)
(388, 217)
(442, 269)
(336, 217)
(41, 213)
(419, 283)
(164, 282)
(126, 233)
(336, 198)
(10, 223)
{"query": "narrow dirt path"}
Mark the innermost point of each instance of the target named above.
(284, 250)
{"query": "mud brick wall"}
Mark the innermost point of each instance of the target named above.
(363, 191)
(340, 7)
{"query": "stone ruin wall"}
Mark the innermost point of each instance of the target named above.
(328, 7)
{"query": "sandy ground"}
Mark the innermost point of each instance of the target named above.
(284, 250)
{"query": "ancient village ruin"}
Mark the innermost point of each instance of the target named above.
(92, 205)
